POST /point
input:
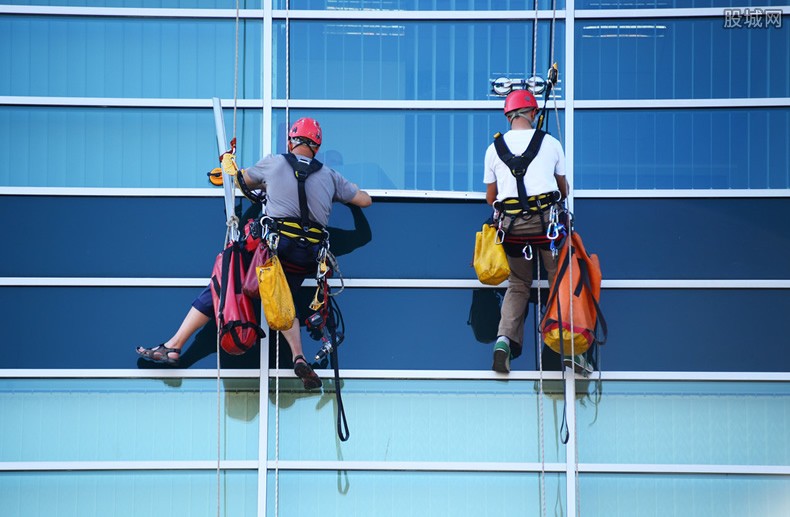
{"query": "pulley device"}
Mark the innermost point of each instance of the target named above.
(502, 86)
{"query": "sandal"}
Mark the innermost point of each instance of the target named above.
(160, 354)
(304, 371)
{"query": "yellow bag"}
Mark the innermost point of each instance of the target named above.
(278, 305)
(490, 261)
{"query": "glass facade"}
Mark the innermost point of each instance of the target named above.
(675, 127)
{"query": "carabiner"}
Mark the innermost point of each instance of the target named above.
(527, 251)
(273, 239)
(552, 231)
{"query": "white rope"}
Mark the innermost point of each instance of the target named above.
(287, 66)
(277, 341)
(535, 42)
(219, 427)
(276, 425)
(236, 70)
(573, 367)
(542, 438)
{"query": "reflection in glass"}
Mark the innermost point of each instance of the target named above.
(398, 494)
(688, 149)
(418, 420)
(409, 60)
(128, 57)
(126, 419)
(681, 495)
(407, 149)
(695, 58)
(686, 423)
(128, 493)
(119, 147)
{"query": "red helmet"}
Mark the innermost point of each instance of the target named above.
(520, 99)
(306, 128)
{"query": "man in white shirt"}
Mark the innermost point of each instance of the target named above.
(524, 203)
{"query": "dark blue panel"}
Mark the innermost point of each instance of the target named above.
(421, 329)
(112, 237)
(687, 238)
(179, 237)
(94, 327)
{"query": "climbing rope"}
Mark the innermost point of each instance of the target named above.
(573, 369)
(277, 345)
(535, 42)
(276, 426)
(542, 439)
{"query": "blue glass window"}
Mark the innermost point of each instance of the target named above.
(409, 60)
(128, 57)
(127, 419)
(406, 149)
(417, 420)
(119, 147)
(664, 4)
(679, 59)
(683, 423)
(419, 5)
(681, 495)
(168, 4)
(429, 493)
(128, 493)
(682, 149)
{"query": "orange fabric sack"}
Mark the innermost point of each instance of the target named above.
(576, 285)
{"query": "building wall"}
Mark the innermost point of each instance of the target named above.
(674, 120)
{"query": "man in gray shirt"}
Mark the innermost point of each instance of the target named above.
(277, 176)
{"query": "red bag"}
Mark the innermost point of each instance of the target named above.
(259, 258)
(237, 319)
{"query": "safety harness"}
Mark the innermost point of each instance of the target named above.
(326, 323)
(526, 206)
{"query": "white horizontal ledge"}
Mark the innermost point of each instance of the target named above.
(429, 375)
(280, 14)
(118, 102)
(417, 466)
(392, 466)
(702, 12)
(660, 468)
(395, 283)
(768, 102)
(153, 373)
(396, 193)
(38, 466)
(389, 104)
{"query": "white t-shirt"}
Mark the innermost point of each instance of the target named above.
(539, 178)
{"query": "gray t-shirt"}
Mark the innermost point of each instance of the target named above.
(275, 175)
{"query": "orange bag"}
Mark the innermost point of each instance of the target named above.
(588, 326)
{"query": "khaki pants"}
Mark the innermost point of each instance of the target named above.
(514, 306)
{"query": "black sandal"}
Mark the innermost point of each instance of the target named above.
(160, 354)
(305, 372)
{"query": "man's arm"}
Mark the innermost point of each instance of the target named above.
(562, 184)
(361, 199)
(491, 192)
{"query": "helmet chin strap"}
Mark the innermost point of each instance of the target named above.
(291, 146)
(524, 113)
